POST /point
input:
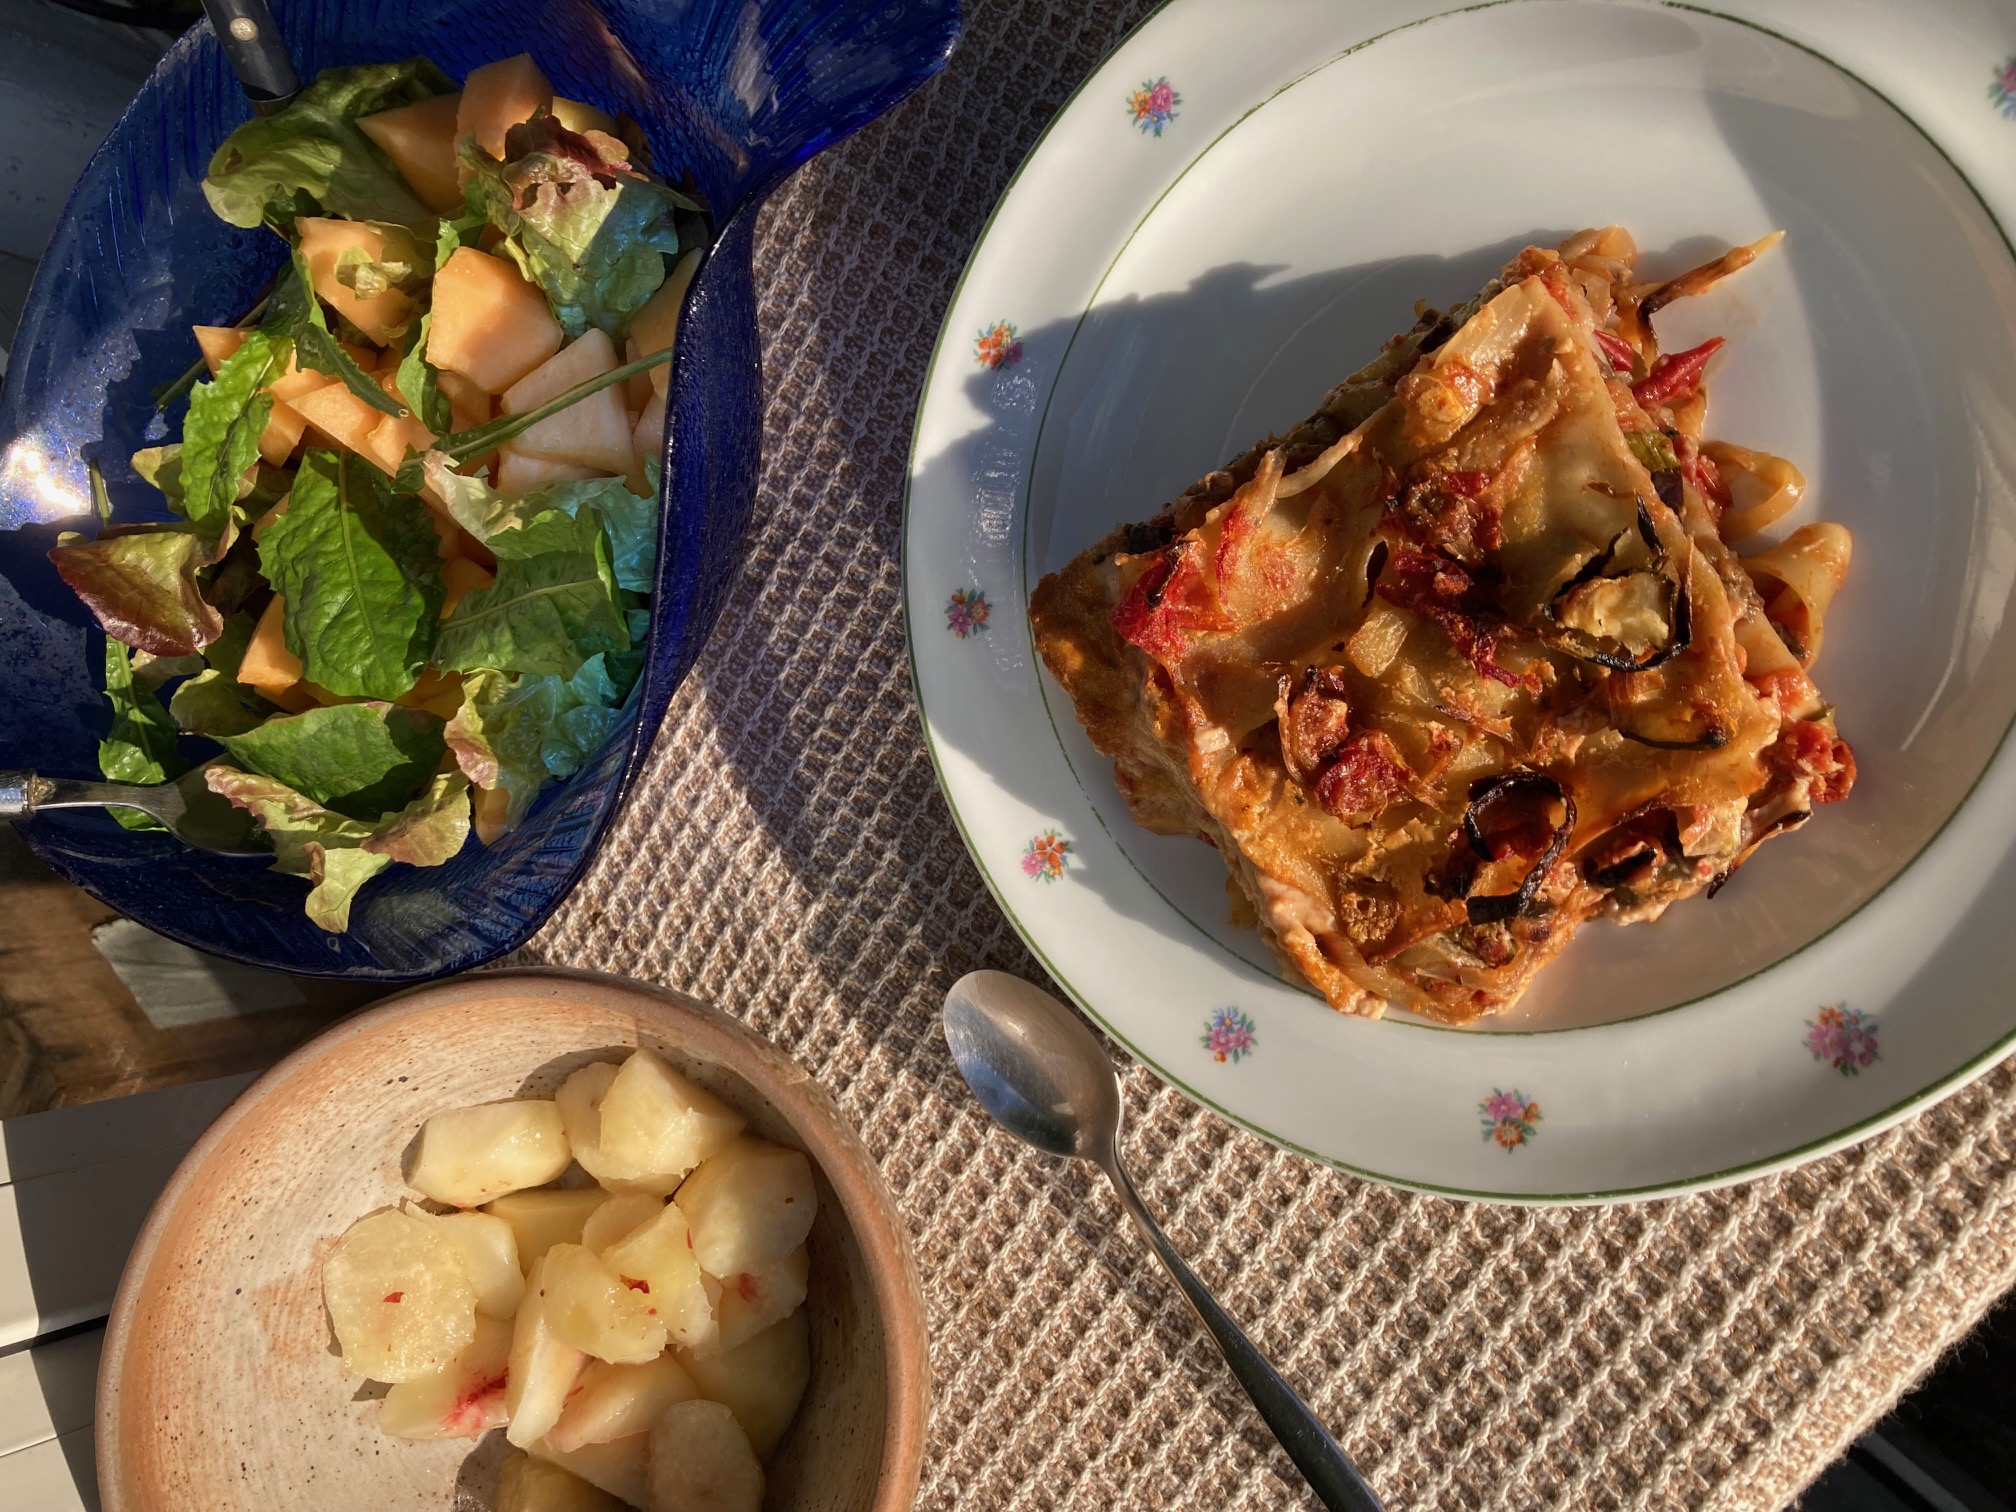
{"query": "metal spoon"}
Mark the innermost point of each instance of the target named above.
(196, 815)
(1038, 1070)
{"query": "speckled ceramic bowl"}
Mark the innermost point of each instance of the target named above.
(221, 1390)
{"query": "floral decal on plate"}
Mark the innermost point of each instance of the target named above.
(1228, 1035)
(2002, 89)
(998, 346)
(1046, 856)
(1509, 1119)
(1153, 106)
(1844, 1038)
(966, 612)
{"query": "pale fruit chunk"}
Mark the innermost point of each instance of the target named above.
(580, 1099)
(660, 1257)
(750, 1204)
(340, 415)
(461, 577)
(517, 472)
(761, 1380)
(542, 1369)
(702, 1461)
(655, 326)
(647, 444)
(469, 404)
(489, 1248)
(755, 1299)
(592, 432)
(622, 1215)
(490, 325)
(420, 140)
(593, 1309)
(617, 1467)
(399, 1298)
(283, 429)
(268, 666)
(467, 1156)
(497, 97)
(323, 243)
(525, 1484)
(544, 1219)
(616, 1401)
(392, 438)
(579, 115)
(656, 1120)
(218, 344)
(464, 1401)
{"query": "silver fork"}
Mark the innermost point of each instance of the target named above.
(194, 814)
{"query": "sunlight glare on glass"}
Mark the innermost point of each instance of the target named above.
(31, 491)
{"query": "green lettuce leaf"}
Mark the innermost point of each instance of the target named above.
(220, 436)
(361, 759)
(161, 466)
(295, 314)
(632, 522)
(142, 587)
(431, 829)
(311, 156)
(214, 702)
(514, 733)
(420, 382)
(141, 745)
(589, 232)
(360, 571)
(552, 607)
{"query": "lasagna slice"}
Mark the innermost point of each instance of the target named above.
(1467, 658)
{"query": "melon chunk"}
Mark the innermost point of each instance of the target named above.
(420, 140)
(469, 404)
(702, 1461)
(323, 243)
(616, 1467)
(489, 1248)
(340, 416)
(761, 1380)
(657, 1121)
(490, 325)
(655, 326)
(618, 1218)
(592, 432)
(436, 692)
(283, 430)
(594, 1310)
(516, 472)
(750, 1204)
(647, 442)
(268, 665)
(657, 1257)
(467, 1156)
(615, 1401)
(525, 1484)
(392, 438)
(542, 1368)
(399, 1298)
(579, 115)
(295, 382)
(497, 97)
(464, 1401)
(545, 1218)
(755, 1299)
(461, 577)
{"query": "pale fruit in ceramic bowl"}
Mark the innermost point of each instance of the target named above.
(362, 1289)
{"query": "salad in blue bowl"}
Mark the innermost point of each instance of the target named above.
(414, 563)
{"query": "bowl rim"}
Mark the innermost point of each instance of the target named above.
(700, 1029)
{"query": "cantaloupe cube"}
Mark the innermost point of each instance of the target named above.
(218, 343)
(340, 416)
(469, 404)
(647, 440)
(436, 692)
(461, 577)
(323, 243)
(268, 665)
(655, 326)
(517, 472)
(497, 97)
(579, 115)
(593, 432)
(420, 140)
(295, 382)
(283, 430)
(282, 434)
(389, 442)
(489, 324)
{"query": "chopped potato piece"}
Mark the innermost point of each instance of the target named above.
(658, 1258)
(702, 1461)
(761, 1380)
(755, 1299)
(655, 1120)
(542, 1368)
(464, 1401)
(525, 1484)
(546, 1218)
(596, 1311)
(750, 1204)
(616, 1401)
(489, 1248)
(616, 1467)
(622, 1215)
(420, 140)
(399, 1297)
(469, 1155)
(498, 96)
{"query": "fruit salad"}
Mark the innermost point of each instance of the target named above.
(407, 578)
(641, 1340)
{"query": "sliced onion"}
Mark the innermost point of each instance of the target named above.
(1495, 908)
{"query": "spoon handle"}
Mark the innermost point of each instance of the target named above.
(1326, 1467)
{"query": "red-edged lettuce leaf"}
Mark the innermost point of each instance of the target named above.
(361, 759)
(514, 733)
(142, 587)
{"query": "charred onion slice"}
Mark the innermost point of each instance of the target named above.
(1495, 908)
(1713, 739)
(1679, 612)
(1777, 826)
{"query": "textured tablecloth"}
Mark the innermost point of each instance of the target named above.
(788, 856)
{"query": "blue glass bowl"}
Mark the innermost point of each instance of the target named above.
(736, 92)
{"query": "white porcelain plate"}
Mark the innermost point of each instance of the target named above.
(1229, 216)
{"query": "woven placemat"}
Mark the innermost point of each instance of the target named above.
(788, 856)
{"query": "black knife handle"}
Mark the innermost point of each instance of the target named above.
(256, 52)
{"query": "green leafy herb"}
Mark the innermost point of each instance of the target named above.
(161, 467)
(141, 745)
(142, 586)
(361, 759)
(296, 314)
(419, 381)
(552, 607)
(368, 277)
(361, 574)
(513, 733)
(220, 437)
(311, 156)
(632, 522)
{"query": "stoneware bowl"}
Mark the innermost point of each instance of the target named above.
(221, 1390)
(738, 93)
